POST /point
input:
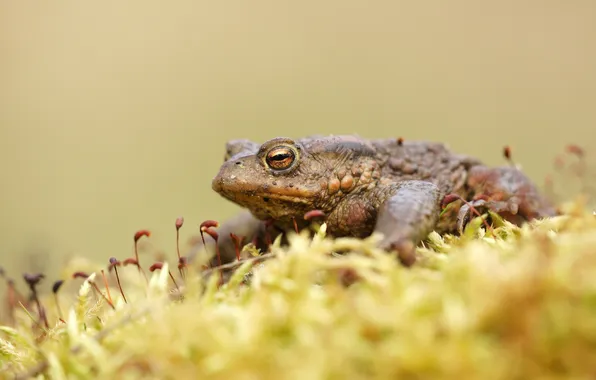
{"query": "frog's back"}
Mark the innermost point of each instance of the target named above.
(402, 160)
(423, 160)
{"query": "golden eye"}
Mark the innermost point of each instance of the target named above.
(280, 158)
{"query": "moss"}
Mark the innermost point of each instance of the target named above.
(514, 303)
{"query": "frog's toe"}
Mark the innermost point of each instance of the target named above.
(404, 248)
(507, 209)
(462, 217)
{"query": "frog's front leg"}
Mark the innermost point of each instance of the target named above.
(407, 217)
(244, 225)
(507, 191)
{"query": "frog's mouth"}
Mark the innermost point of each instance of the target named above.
(250, 196)
(269, 198)
(275, 199)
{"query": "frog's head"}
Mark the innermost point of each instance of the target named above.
(283, 178)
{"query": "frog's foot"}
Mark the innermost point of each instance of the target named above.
(507, 209)
(506, 191)
(404, 248)
(407, 217)
(243, 226)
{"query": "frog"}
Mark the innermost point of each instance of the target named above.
(358, 186)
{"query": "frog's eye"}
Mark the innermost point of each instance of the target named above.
(280, 157)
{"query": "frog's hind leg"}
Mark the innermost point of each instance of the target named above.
(407, 217)
(507, 191)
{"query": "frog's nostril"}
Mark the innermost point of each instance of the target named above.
(238, 163)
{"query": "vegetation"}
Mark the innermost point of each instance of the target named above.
(501, 303)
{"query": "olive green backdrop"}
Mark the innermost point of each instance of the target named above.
(114, 114)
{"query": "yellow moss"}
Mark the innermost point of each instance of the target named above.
(511, 303)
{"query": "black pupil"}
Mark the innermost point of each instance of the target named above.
(281, 156)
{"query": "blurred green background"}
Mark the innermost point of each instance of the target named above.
(114, 114)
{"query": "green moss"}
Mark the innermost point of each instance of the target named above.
(512, 303)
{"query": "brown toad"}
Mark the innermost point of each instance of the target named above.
(362, 186)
